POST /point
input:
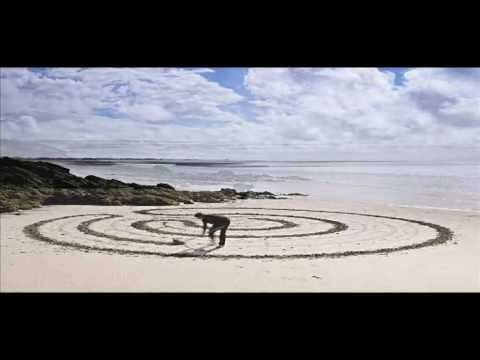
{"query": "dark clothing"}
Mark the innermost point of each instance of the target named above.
(218, 223)
(223, 232)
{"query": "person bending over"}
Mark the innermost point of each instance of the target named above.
(218, 223)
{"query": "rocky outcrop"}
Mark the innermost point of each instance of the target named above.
(165, 186)
(205, 196)
(233, 194)
(27, 184)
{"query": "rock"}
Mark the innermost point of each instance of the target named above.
(165, 186)
(256, 195)
(95, 181)
(116, 183)
(98, 182)
(135, 185)
(28, 184)
(37, 173)
(265, 195)
(207, 196)
(229, 193)
(247, 195)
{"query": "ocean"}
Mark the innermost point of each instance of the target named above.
(438, 184)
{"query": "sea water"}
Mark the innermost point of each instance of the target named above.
(439, 184)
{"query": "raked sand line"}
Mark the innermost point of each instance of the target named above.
(264, 234)
(337, 227)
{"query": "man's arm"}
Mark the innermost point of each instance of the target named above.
(204, 226)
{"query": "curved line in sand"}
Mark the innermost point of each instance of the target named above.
(443, 235)
(337, 227)
(188, 223)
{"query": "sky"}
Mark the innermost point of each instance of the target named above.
(241, 113)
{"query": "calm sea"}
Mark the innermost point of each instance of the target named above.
(448, 184)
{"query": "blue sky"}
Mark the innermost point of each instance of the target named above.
(276, 113)
(233, 78)
(399, 72)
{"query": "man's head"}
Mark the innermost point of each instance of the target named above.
(199, 215)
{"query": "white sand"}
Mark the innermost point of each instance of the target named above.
(28, 264)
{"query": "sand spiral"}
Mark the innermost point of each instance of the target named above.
(258, 233)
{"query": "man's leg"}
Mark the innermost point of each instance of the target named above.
(223, 236)
(212, 230)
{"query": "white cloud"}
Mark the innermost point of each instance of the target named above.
(366, 106)
(148, 112)
(469, 109)
(140, 110)
(450, 96)
(110, 104)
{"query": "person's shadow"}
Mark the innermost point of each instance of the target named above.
(201, 251)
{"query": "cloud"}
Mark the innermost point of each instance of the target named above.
(57, 96)
(148, 112)
(294, 113)
(366, 106)
(450, 96)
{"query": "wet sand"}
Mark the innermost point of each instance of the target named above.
(297, 244)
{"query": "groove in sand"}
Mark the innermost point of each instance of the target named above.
(443, 234)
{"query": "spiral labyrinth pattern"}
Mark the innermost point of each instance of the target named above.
(258, 233)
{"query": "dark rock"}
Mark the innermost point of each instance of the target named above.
(165, 186)
(37, 173)
(28, 184)
(228, 191)
(135, 186)
(246, 195)
(255, 195)
(229, 194)
(96, 182)
(207, 196)
(116, 183)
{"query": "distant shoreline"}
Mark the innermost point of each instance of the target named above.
(86, 161)
(226, 161)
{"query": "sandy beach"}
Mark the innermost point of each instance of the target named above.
(293, 245)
